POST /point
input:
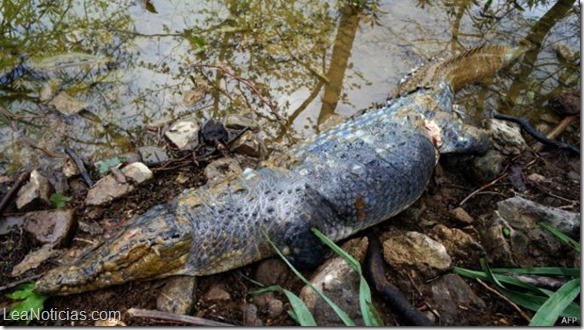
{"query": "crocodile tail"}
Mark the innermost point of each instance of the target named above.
(461, 70)
(478, 63)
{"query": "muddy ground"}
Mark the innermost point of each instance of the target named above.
(449, 187)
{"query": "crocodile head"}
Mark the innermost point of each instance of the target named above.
(151, 246)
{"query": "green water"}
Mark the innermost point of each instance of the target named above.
(290, 65)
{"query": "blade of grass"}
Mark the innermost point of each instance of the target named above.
(300, 312)
(539, 271)
(529, 301)
(344, 317)
(370, 315)
(475, 274)
(556, 304)
(561, 236)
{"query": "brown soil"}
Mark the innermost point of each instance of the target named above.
(448, 189)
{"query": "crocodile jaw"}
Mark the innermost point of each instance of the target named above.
(141, 251)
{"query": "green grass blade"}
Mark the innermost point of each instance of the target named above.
(474, 274)
(300, 312)
(556, 304)
(559, 271)
(370, 315)
(337, 249)
(561, 236)
(342, 315)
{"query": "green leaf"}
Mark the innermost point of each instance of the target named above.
(104, 165)
(549, 312)
(563, 237)
(539, 271)
(59, 201)
(29, 300)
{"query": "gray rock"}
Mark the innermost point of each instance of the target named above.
(250, 316)
(37, 191)
(237, 121)
(221, 170)
(51, 227)
(130, 157)
(418, 250)
(564, 221)
(33, 260)
(184, 134)
(512, 236)
(109, 188)
(488, 166)
(178, 295)
(275, 308)
(506, 136)
(455, 301)
(249, 144)
(573, 176)
(271, 271)
(152, 156)
(217, 293)
(11, 225)
(338, 281)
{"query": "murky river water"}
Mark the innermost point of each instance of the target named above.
(289, 64)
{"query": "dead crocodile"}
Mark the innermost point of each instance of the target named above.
(350, 177)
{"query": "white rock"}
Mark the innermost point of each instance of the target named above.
(184, 134)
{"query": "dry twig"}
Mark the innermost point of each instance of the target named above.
(15, 187)
(521, 312)
(137, 312)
